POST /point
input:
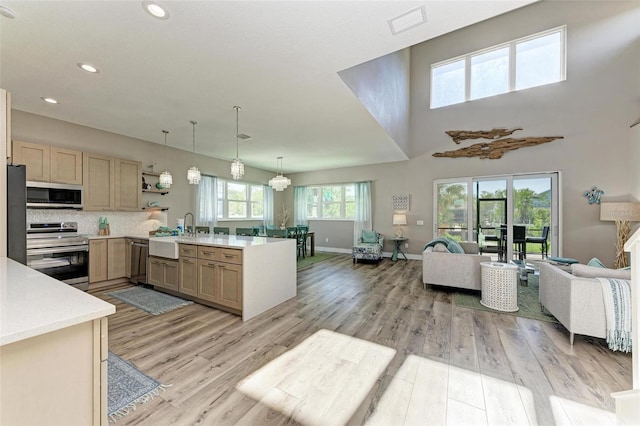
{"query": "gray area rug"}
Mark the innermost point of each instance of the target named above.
(127, 387)
(527, 301)
(148, 300)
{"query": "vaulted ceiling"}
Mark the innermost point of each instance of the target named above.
(279, 61)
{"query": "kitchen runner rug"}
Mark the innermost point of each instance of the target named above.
(127, 387)
(148, 300)
(527, 301)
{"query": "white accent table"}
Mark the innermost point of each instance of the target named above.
(499, 286)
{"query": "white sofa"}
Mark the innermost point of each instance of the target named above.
(576, 299)
(453, 269)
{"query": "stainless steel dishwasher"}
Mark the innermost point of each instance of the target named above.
(139, 260)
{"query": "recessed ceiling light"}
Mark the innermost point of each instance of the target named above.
(408, 20)
(155, 9)
(50, 100)
(88, 68)
(6, 12)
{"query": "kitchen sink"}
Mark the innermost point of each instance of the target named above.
(163, 247)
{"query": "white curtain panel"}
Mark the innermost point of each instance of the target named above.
(267, 215)
(300, 205)
(362, 219)
(207, 202)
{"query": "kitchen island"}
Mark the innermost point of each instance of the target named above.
(53, 350)
(243, 275)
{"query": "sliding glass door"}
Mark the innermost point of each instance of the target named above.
(498, 205)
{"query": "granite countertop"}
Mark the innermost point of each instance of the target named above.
(32, 303)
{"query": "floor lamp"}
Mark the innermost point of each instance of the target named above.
(623, 214)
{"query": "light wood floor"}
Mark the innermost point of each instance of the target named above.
(451, 365)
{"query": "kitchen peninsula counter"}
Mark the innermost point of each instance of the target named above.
(244, 275)
(53, 350)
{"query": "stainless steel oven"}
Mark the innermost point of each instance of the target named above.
(56, 249)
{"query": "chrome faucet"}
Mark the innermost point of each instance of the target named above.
(191, 228)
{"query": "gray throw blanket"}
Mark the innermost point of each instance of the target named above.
(617, 311)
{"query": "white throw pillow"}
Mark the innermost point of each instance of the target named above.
(580, 270)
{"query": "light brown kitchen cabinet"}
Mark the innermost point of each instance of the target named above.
(98, 260)
(220, 282)
(163, 273)
(128, 185)
(49, 163)
(116, 254)
(65, 166)
(107, 259)
(188, 270)
(99, 182)
(35, 157)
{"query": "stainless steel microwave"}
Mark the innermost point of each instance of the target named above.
(54, 195)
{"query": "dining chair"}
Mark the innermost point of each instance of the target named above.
(221, 230)
(520, 241)
(542, 240)
(277, 233)
(272, 227)
(247, 232)
(302, 240)
(203, 230)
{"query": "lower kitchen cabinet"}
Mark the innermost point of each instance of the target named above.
(188, 279)
(107, 259)
(116, 258)
(220, 283)
(98, 263)
(163, 273)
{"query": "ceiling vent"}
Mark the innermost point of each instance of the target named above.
(408, 20)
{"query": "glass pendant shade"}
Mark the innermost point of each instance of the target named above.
(237, 166)
(165, 177)
(193, 175)
(280, 182)
(237, 169)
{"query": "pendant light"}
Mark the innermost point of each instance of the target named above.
(237, 167)
(280, 182)
(193, 174)
(165, 177)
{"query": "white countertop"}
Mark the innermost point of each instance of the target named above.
(32, 303)
(234, 241)
(100, 237)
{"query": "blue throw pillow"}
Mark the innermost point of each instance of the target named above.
(369, 237)
(454, 247)
(596, 262)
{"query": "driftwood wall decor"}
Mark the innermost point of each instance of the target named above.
(460, 135)
(496, 149)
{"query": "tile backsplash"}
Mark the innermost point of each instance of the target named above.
(120, 223)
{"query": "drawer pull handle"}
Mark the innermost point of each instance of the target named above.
(206, 252)
(211, 264)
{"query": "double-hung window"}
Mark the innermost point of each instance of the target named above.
(519, 64)
(331, 202)
(238, 200)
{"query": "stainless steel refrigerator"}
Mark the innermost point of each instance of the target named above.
(17, 213)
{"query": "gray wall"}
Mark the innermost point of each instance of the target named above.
(592, 109)
(383, 87)
(181, 198)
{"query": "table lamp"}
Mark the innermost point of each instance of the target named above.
(622, 214)
(398, 220)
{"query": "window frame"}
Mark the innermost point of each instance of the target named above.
(511, 45)
(224, 201)
(343, 202)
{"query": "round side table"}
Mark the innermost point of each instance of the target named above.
(499, 286)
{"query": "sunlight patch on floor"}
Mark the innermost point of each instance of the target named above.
(323, 380)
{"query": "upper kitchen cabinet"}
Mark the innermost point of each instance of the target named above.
(128, 185)
(112, 183)
(48, 163)
(99, 182)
